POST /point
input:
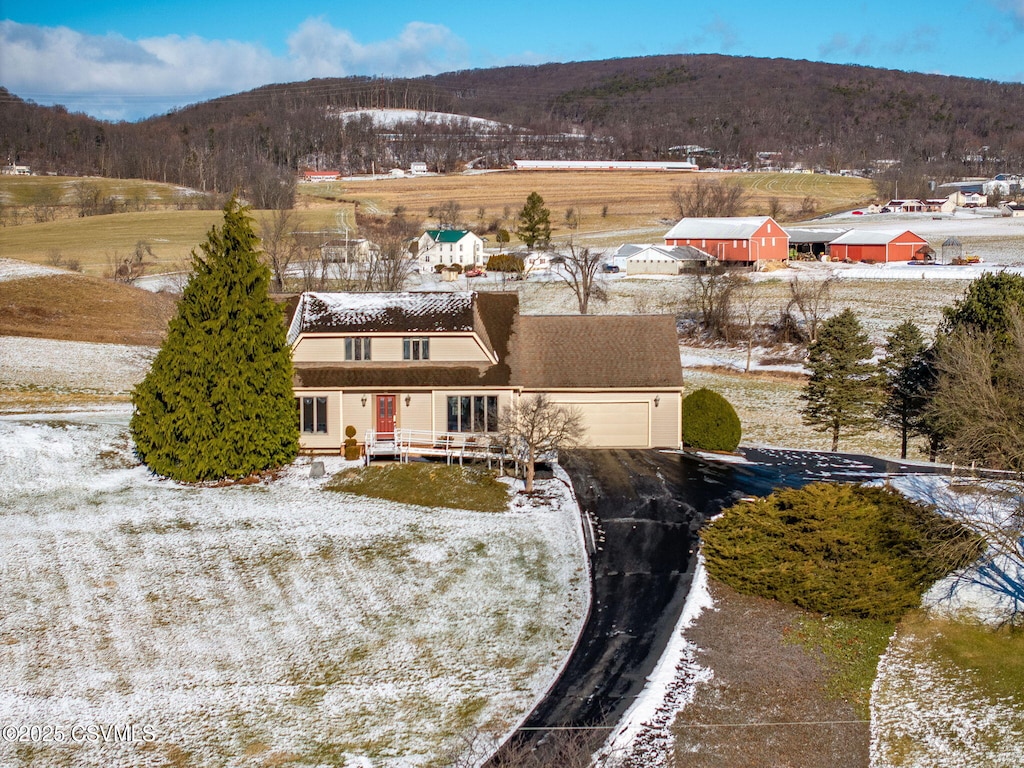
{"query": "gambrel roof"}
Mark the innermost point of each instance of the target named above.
(533, 352)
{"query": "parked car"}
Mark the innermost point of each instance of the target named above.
(475, 272)
(611, 269)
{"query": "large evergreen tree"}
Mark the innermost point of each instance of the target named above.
(534, 222)
(218, 402)
(976, 405)
(842, 392)
(904, 378)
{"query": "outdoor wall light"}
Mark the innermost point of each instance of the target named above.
(657, 400)
(364, 401)
(408, 399)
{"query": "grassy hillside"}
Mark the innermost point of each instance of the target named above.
(635, 201)
(82, 308)
(97, 241)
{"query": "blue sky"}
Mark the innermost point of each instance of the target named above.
(116, 60)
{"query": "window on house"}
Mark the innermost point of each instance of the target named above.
(416, 349)
(313, 414)
(357, 348)
(473, 413)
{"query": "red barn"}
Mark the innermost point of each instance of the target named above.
(876, 247)
(733, 240)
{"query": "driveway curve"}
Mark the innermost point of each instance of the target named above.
(645, 508)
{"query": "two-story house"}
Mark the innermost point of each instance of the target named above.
(450, 246)
(450, 362)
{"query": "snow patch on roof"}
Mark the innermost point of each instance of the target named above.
(407, 311)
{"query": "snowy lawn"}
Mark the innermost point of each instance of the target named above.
(933, 708)
(257, 625)
(72, 366)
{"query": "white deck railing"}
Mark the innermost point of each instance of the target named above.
(453, 446)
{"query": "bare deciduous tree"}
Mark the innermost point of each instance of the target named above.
(706, 198)
(978, 402)
(986, 535)
(813, 300)
(278, 242)
(750, 310)
(390, 264)
(534, 426)
(711, 294)
(582, 273)
(449, 215)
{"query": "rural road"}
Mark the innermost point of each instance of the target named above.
(646, 508)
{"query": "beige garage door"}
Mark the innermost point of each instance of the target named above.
(615, 425)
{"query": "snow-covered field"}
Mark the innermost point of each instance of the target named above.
(255, 625)
(75, 366)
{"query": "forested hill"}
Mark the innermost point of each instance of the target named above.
(834, 116)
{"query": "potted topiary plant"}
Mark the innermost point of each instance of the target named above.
(351, 446)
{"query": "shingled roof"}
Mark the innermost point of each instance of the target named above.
(381, 312)
(596, 351)
(533, 352)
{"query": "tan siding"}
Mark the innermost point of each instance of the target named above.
(331, 440)
(417, 415)
(354, 413)
(388, 349)
(666, 421)
(453, 349)
(318, 349)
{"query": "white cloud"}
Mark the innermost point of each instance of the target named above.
(723, 32)
(317, 49)
(114, 77)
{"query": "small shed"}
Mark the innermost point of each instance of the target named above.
(664, 260)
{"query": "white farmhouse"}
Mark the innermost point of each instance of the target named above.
(450, 246)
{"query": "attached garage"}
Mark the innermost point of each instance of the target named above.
(615, 425)
(621, 372)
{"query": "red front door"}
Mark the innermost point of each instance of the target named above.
(385, 416)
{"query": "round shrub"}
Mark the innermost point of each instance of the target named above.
(710, 422)
(846, 550)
